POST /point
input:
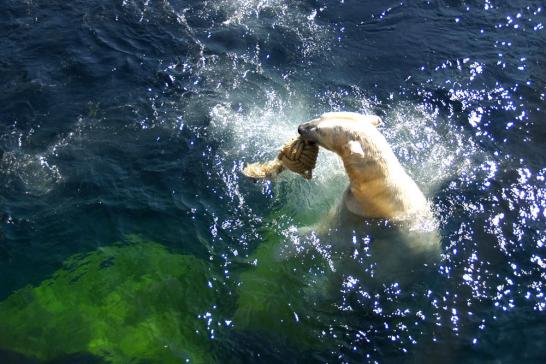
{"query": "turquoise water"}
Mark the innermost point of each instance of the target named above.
(128, 233)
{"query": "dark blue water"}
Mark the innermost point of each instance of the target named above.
(134, 118)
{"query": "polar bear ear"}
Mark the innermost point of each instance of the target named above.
(376, 121)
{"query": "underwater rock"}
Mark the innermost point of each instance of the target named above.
(124, 303)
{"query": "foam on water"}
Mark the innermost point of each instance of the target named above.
(428, 146)
(259, 134)
(288, 15)
(35, 172)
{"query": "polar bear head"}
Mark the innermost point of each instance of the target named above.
(338, 130)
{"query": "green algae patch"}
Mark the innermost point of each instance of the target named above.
(280, 296)
(126, 303)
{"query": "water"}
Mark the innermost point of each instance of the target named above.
(128, 233)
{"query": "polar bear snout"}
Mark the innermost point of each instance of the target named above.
(303, 129)
(308, 131)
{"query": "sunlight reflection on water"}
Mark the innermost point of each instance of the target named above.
(460, 88)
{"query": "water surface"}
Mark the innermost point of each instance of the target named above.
(124, 126)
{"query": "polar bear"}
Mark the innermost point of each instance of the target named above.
(379, 187)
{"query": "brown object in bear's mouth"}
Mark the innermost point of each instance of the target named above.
(298, 155)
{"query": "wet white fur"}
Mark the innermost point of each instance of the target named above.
(379, 187)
